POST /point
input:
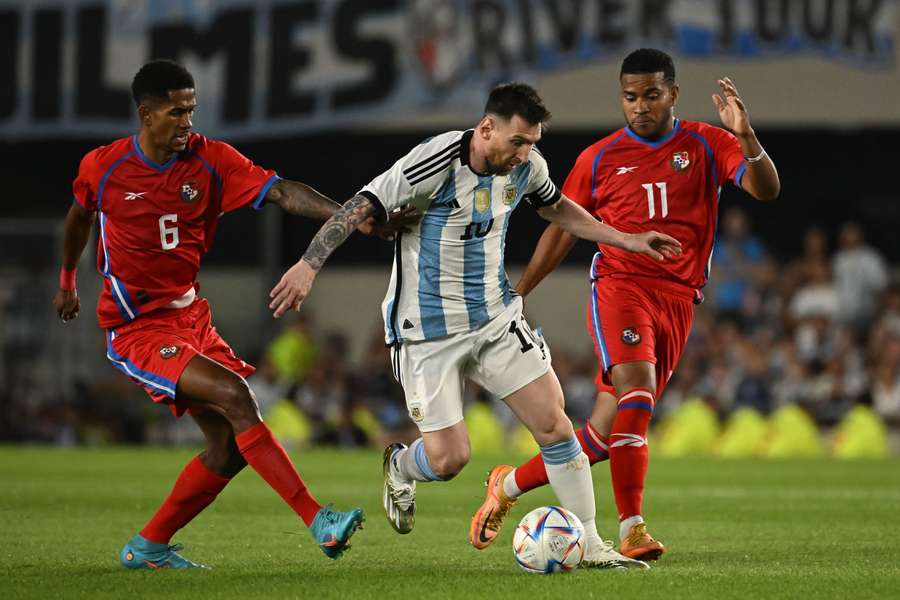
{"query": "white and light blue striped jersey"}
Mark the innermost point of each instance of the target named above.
(448, 274)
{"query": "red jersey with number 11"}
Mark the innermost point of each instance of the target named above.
(157, 221)
(671, 185)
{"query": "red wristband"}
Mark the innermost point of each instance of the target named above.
(67, 279)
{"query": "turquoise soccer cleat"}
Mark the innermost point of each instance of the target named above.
(332, 529)
(141, 553)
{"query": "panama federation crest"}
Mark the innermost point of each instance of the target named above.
(168, 351)
(189, 191)
(631, 336)
(680, 161)
(509, 194)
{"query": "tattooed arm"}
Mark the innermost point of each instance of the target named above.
(295, 284)
(300, 199)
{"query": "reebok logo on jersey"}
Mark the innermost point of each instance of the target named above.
(623, 170)
(134, 195)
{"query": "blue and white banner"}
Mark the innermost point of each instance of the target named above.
(280, 67)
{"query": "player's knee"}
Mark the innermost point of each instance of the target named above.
(239, 402)
(554, 427)
(223, 457)
(449, 465)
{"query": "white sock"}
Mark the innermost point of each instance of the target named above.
(569, 472)
(626, 525)
(412, 463)
(510, 488)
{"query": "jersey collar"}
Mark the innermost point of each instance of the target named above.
(464, 143)
(653, 143)
(150, 162)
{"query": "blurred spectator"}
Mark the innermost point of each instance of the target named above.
(738, 254)
(811, 310)
(860, 275)
(886, 377)
(294, 351)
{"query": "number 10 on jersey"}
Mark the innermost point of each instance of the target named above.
(651, 199)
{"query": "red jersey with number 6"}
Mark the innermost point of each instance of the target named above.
(671, 185)
(157, 221)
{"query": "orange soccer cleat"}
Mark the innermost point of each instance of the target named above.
(488, 519)
(640, 545)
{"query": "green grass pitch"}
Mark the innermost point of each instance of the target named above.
(748, 529)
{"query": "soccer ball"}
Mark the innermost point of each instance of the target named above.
(549, 539)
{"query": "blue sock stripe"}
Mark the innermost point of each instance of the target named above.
(561, 452)
(422, 460)
(590, 443)
(644, 405)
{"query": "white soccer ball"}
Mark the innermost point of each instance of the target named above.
(549, 539)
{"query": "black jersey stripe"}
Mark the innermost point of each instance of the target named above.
(392, 318)
(423, 164)
(437, 168)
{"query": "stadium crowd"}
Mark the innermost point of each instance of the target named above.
(820, 332)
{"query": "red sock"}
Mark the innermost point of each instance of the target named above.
(628, 456)
(533, 474)
(194, 490)
(267, 457)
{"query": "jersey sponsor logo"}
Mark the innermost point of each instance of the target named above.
(482, 199)
(134, 195)
(407, 324)
(631, 336)
(189, 191)
(509, 194)
(169, 351)
(416, 413)
(624, 170)
(680, 161)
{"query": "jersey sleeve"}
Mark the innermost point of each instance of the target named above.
(415, 175)
(540, 190)
(578, 186)
(84, 188)
(729, 157)
(243, 182)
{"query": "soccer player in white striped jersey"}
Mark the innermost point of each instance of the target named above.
(450, 313)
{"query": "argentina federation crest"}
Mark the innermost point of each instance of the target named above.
(680, 161)
(189, 191)
(509, 193)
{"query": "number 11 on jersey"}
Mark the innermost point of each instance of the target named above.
(651, 200)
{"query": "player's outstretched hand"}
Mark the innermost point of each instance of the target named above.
(732, 110)
(400, 222)
(293, 288)
(654, 244)
(67, 304)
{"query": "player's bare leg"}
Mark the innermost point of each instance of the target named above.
(505, 483)
(206, 385)
(539, 405)
(635, 384)
(436, 456)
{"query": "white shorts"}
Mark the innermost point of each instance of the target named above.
(502, 356)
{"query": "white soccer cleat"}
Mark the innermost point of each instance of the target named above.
(399, 495)
(602, 555)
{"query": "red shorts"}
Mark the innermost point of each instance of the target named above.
(630, 321)
(155, 349)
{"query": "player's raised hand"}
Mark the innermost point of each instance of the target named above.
(399, 222)
(732, 110)
(654, 244)
(293, 288)
(67, 304)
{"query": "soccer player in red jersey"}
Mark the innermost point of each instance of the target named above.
(662, 173)
(159, 195)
